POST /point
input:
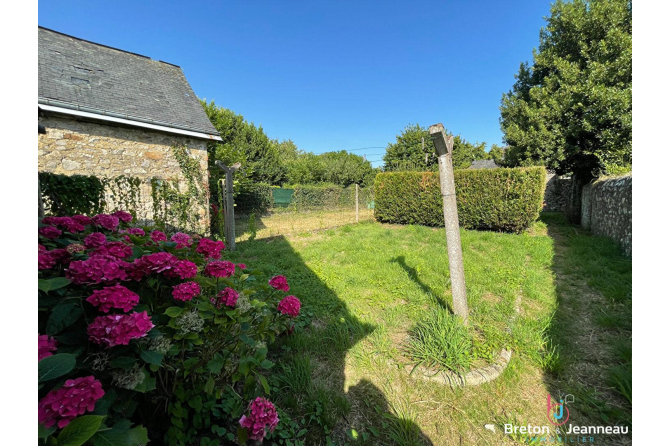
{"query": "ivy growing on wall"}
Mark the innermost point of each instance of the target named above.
(175, 205)
(71, 195)
(87, 195)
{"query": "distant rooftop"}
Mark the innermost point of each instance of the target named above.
(483, 164)
(86, 76)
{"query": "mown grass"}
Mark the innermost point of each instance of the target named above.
(364, 289)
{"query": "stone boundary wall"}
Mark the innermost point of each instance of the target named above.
(607, 209)
(86, 148)
(556, 193)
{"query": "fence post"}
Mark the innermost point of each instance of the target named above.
(443, 147)
(229, 219)
(356, 202)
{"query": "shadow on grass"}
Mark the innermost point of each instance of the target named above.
(309, 378)
(591, 330)
(413, 274)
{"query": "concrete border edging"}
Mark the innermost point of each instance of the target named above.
(475, 377)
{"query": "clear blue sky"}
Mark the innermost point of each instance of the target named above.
(336, 75)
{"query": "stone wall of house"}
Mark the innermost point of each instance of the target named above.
(86, 148)
(607, 209)
(556, 193)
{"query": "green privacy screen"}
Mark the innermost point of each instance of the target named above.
(282, 197)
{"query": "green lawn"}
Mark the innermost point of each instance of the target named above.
(365, 287)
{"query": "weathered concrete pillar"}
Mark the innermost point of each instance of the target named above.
(444, 147)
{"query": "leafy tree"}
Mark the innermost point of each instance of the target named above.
(244, 142)
(407, 153)
(345, 168)
(497, 154)
(306, 168)
(571, 110)
(276, 162)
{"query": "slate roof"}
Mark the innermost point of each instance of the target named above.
(104, 80)
(483, 164)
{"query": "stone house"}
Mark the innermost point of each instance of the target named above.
(109, 112)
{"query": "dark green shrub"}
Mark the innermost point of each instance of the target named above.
(253, 197)
(496, 199)
(71, 194)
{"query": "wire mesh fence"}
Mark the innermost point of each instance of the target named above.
(302, 209)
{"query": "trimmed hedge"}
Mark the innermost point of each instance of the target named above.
(307, 196)
(253, 197)
(495, 199)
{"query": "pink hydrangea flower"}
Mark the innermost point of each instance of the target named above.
(157, 262)
(289, 305)
(185, 291)
(97, 269)
(49, 259)
(76, 397)
(279, 283)
(262, 416)
(46, 345)
(242, 265)
(220, 268)
(95, 240)
(134, 231)
(158, 236)
(226, 297)
(115, 249)
(119, 329)
(108, 222)
(69, 224)
(182, 240)
(184, 269)
(50, 232)
(45, 261)
(210, 248)
(124, 216)
(115, 296)
(83, 220)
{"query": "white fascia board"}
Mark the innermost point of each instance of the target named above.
(83, 114)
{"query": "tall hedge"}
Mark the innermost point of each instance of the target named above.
(495, 199)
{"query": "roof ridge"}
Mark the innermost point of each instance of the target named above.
(105, 46)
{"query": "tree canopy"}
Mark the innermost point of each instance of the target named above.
(571, 110)
(266, 160)
(407, 153)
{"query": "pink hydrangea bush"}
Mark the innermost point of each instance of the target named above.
(76, 397)
(226, 297)
(185, 291)
(279, 283)
(262, 419)
(155, 304)
(182, 240)
(209, 248)
(119, 329)
(289, 305)
(97, 269)
(106, 221)
(220, 268)
(115, 296)
(46, 346)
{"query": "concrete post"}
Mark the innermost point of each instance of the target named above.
(444, 147)
(229, 219)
